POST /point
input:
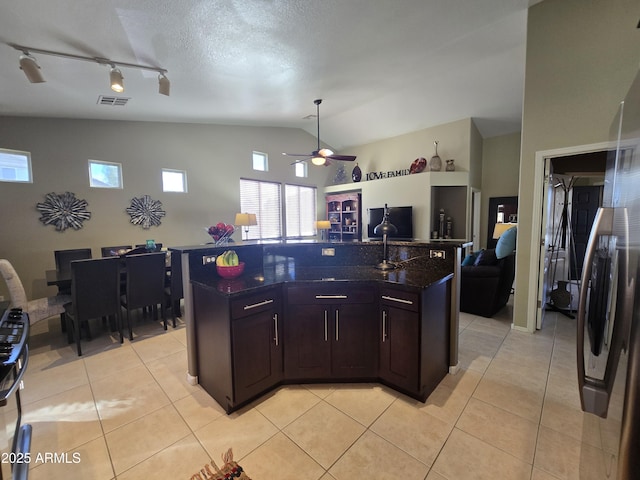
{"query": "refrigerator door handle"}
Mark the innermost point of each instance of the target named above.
(594, 395)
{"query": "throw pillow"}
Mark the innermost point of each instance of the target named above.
(469, 259)
(486, 257)
(506, 243)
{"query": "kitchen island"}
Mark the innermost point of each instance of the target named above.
(319, 313)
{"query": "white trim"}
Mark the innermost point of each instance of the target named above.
(536, 220)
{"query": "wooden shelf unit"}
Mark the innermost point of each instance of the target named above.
(344, 212)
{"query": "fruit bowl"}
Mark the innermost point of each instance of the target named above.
(230, 271)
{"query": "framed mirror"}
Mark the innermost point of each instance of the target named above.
(501, 209)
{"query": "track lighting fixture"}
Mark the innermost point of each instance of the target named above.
(31, 69)
(164, 85)
(116, 80)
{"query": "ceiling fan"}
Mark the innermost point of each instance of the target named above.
(321, 155)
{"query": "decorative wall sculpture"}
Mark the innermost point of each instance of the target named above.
(146, 212)
(63, 211)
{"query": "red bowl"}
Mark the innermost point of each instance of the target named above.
(230, 271)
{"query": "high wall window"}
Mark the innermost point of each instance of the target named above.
(260, 161)
(300, 208)
(301, 169)
(265, 200)
(174, 180)
(105, 174)
(15, 166)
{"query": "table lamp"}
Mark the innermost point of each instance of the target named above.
(500, 228)
(385, 228)
(323, 226)
(245, 220)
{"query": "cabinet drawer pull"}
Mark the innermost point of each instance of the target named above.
(384, 326)
(330, 296)
(326, 329)
(337, 325)
(259, 304)
(275, 329)
(399, 300)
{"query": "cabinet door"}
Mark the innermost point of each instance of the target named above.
(354, 346)
(399, 347)
(257, 354)
(307, 336)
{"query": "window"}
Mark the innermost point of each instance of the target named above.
(15, 166)
(301, 169)
(300, 205)
(263, 199)
(105, 174)
(260, 161)
(174, 180)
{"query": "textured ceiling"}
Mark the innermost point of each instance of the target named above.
(382, 67)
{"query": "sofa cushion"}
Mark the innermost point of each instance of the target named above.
(506, 243)
(469, 259)
(486, 257)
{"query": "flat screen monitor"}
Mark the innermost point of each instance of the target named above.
(401, 217)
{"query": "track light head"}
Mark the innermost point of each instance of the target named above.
(116, 80)
(31, 68)
(164, 85)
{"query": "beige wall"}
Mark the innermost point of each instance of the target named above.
(500, 172)
(581, 59)
(215, 157)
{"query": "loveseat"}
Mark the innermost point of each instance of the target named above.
(485, 287)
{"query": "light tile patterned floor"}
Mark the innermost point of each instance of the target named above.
(511, 412)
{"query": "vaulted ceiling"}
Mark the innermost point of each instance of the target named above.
(382, 67)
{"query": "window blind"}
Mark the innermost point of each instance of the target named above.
(300, 208)
(264, 199)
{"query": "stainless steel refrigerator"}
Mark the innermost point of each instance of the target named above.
(608, 335)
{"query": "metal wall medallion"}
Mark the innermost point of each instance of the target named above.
(63, 211)
(146, 212)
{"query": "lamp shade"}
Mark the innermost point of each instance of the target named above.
(246, 219)
(323, 225)
(318, 160)
(500, 228)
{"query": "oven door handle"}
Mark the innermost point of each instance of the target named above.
(5, 394)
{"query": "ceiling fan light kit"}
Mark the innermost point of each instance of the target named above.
(32, 70)
(321, 156)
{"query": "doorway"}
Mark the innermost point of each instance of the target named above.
(585, 162)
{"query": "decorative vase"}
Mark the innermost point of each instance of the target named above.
(435, 164)
(560, 296)
(356, 173)
(450, 165)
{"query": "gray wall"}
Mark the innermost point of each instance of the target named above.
(214, 156)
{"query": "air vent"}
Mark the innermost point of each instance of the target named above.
(112, 101)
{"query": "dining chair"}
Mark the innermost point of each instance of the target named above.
(95, 293)
(114, 251)
(64, 258)
(145, 279)
(173, 290)
(38, 308)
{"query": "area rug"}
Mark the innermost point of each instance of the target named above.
(229, 470)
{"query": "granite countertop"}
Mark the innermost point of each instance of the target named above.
(287, 271)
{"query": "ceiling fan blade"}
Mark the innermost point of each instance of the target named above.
(344, 158)
(296, 154)
(301, 160)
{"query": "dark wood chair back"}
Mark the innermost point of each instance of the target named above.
(174, 290)
(113, 251)
(95, 293)
(145, 283)
(64, 258)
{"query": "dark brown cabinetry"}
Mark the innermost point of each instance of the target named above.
(331, 332)
(414, 341)
(345, 216)
(239, 345)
